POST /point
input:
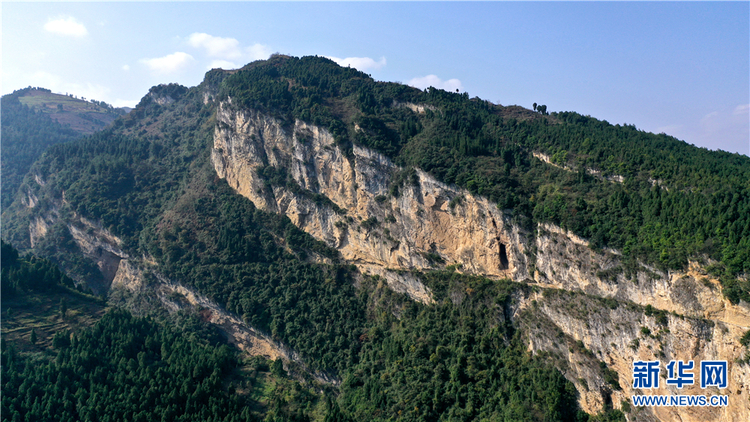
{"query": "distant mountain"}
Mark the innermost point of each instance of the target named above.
(81, 115)
(34, 119)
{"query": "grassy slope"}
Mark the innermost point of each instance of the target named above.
(82, 116)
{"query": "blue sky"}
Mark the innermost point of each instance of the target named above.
(678, 68)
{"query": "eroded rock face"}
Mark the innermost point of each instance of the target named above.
(428, 222)
(38, 228)
(565, 261)
(29, 200)
(95, 242)
(697, 324)
(580, 331)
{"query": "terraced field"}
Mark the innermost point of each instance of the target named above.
(41, 313)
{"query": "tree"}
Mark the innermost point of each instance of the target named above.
(277, 367)
(33, 336)
(63, 308)
(534, 106)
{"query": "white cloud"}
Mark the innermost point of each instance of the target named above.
(222, 64)
(67, 26)
(434, 81)
(258, 52)
(170, 63)
(741, 109)
(227, 52)
(711, 115)
(360, 63)
(728, 129)
(125, 67)
(710, 119)
(225, 48)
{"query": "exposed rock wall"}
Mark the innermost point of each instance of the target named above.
(38, 228)
(564, 261)
(615, 178)
(581, 330)
(95, 242)
(102, 247)
(697, 323)
(428, 222)
(29, 200)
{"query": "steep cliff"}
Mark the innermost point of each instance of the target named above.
(585, 313)
(376, 214)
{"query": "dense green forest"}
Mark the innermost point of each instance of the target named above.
(29, 274)
(26, 134)
(120, 367)
(124, 368)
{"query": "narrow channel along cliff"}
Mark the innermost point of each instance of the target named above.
(582, 311)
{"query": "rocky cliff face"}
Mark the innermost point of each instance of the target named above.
(96, 243)
(689, 319)
(565, 261)
(579, 331)
(350, 202)
(581, 309)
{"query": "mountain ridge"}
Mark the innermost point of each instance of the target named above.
(193, 227)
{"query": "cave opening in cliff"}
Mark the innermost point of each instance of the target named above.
(503, 257)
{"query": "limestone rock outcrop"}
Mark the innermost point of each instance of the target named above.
(580, 308)
(427, 223)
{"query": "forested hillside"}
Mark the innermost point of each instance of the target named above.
(147, 188)
(34, 119)
(653, 197)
